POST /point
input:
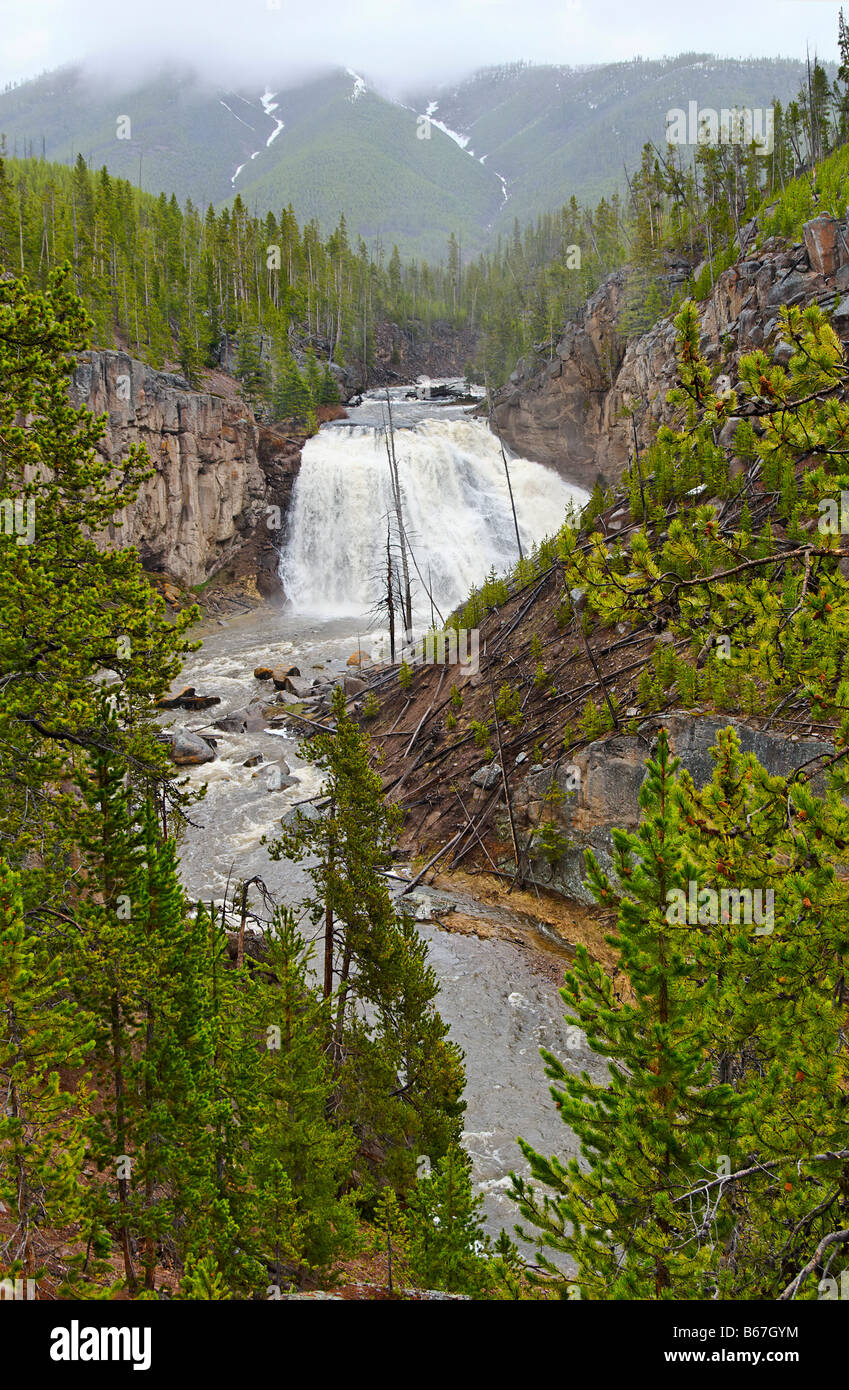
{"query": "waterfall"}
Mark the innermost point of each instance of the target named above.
(456, 512)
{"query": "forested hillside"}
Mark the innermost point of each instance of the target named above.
(560, 130)
(200, 286)
(513, 142)
(170, 283)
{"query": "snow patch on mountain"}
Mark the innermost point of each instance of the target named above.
(359, 85)
(232, 113)
(461, 140)
(269, 106)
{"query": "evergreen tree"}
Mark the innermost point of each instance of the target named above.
(43, 1119)
(251, 370)
(142, 971)
(293, 399)
(189, 357)
(776, 945)
(397, 1076)
(312, 377)
(329, 387)
(54, 578)
(301, 1162)
(446, 1244)
(662, 1119)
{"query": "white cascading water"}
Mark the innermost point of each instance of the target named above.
(456, 513)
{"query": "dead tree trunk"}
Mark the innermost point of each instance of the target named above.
(399, 517)
(506, 472)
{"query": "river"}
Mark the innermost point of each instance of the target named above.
(498, 997)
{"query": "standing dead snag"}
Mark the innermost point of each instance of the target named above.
(506, 472)
(407, 597)
(519, 876)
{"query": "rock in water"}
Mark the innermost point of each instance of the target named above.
(281, 675)
(296, 686)
(248, 720)
(188, 698)
(188, 747)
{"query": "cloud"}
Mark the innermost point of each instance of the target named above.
(401, 45)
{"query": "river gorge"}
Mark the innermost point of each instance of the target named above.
(498, 975)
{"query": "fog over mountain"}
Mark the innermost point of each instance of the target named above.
(507, 144)
(397, 44)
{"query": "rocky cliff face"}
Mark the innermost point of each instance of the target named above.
(554, 410)
(217, 473)
(569, 412)
(600, 786)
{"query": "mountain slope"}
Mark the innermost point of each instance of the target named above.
(327, 146)
(344, 148)
(510, 142)
(554, 131)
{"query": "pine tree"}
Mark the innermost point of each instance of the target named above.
(189, 357)
(293, 399)
(446, 1244)
(312, 377)
(43, 1119)
(329, 388)
(59, 580)
(251, 370)
(202, 1281)
(385, 1025)
(142, 971)
(776, 944)
(301, 1161)
(662, 1119)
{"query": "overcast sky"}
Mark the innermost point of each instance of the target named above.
(396, 42)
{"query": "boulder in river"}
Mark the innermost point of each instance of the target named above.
(263, 673)
(296, 686)
(253, 761)
(282, 674)
(307, 810)
(358, 658)
(247, 720)
(188, 698)
(278, 777)
(188, 747)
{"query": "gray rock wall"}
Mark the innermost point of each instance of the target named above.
(568, 412)
(606, 794)
(209, 493)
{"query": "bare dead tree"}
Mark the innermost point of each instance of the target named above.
(389, 436)
(506, 469)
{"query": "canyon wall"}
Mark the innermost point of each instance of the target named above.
(568, 410)
(218, 475)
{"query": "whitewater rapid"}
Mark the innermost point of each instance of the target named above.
(456, 514)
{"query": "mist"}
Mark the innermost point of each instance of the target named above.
(398, 46)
